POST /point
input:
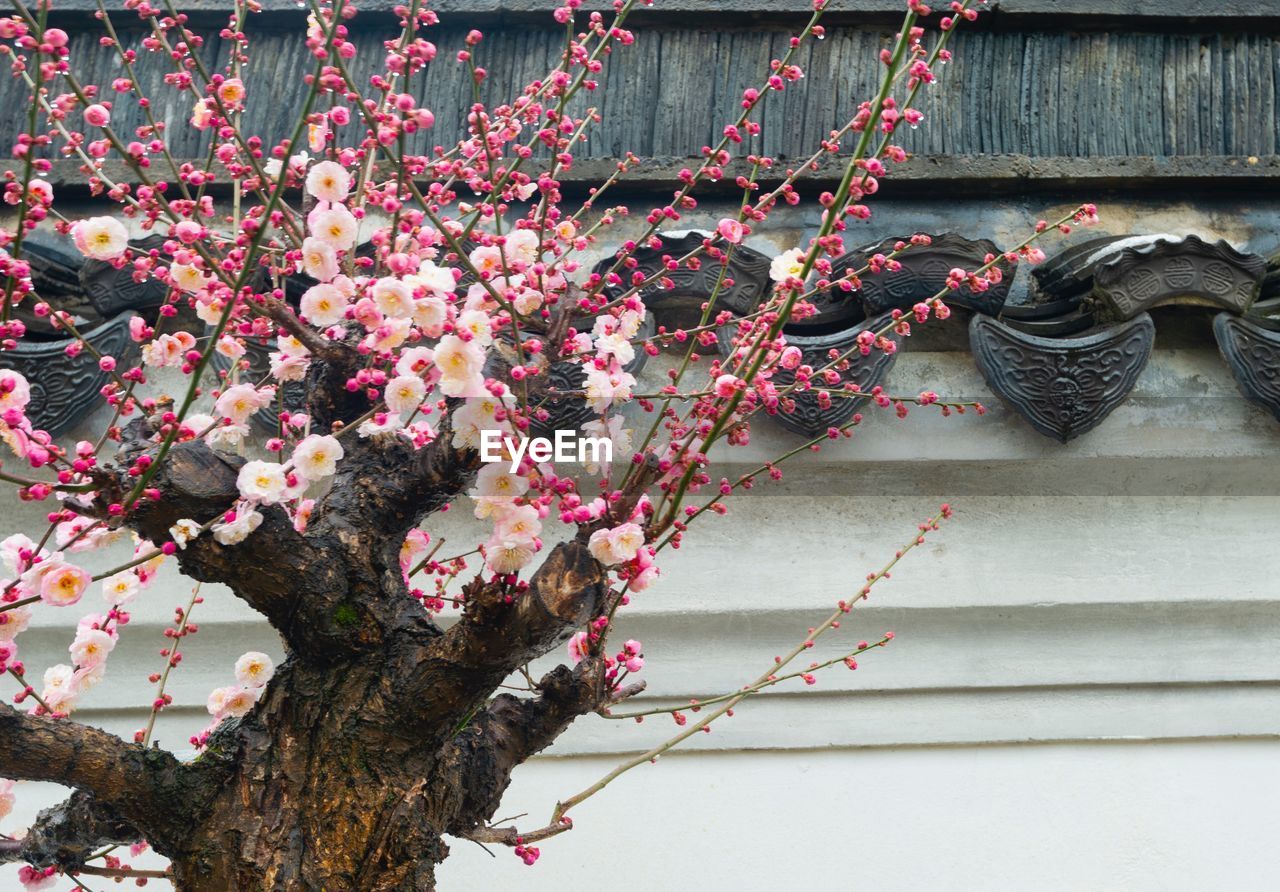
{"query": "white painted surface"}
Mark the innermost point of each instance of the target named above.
(1102, 617)
(1134, 817)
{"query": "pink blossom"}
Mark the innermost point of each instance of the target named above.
(254, 669)
(323, 304)
(35, 879)
(63, 585)
(505, 556)
(102, 238)
(579, 647)
(243, 400)
(645, 570)
(730, 230)
(328, 181)
(334, 225)
(231, 701)
(15, 392)
(727, 386)
(617, 545)
(319, 259)
(317, 456)
(91, 647)
(632, 655)
(97, 116)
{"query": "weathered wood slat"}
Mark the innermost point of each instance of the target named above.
(484, 12)
(1041, 94)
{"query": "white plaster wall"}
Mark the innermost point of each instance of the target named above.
(1120, 816)
(1084, 691)
(1175, 816)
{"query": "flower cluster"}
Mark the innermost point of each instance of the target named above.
(253, 671)
(442, 294)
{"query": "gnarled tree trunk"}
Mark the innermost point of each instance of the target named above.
(379, 734)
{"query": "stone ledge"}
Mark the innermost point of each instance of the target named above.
(967, 175)
(953, 675)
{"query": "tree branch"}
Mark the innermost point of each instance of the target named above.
(320, 347)
(456, 672)
(292, 579)
(66, 752)
(508, 731)
(69, 833)
(123, 786)
(384, 487)
(500, 632)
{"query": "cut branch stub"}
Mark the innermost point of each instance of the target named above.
(500, 631)
(509, 730)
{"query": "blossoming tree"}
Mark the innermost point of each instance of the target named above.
(438, 290)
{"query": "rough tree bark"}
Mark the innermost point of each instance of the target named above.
(378, 735)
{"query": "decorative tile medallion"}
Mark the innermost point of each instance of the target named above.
(1063, 387)
(63, 387)
(1253, 352)
(1178, 271)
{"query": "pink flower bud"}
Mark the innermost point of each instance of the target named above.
(97, 116)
